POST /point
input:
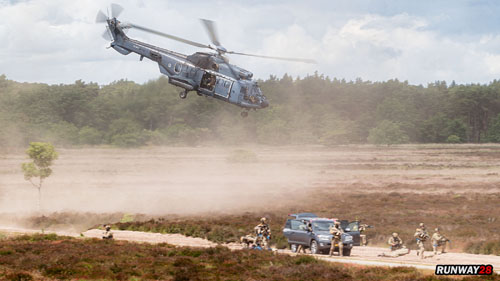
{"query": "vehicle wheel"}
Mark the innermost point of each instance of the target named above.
(183, 94)
(314, 247)
(346, 252)
(293, 248)
(244, 114)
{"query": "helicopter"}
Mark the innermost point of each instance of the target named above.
(207, 73)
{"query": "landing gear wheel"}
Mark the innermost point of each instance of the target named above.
(183, 94)
(244, 114)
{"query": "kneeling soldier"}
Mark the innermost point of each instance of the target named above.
(395, 242)
(107, 234)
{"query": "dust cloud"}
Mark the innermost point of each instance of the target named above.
(199, 180)
(154, 181)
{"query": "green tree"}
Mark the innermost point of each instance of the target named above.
(42, 156)
(387, 132)
(453, 139)
(89, 135)
(494, 130)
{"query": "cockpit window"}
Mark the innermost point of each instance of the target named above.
(256, 91)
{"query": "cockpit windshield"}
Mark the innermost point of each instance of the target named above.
(256, 91)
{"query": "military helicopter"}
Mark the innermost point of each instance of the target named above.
(207, 74)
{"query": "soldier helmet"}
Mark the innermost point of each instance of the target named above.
(108, 227)
(337, 222)
(436, 229)
(395, 234)
(421, 224)
(263, 220)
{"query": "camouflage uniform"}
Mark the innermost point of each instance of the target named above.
(395, 242)
(263, 233)
(107, 234)
(438, 240)
(421, 236)
(362, 229)
(336, 231)
(248, 240)
(301, 248)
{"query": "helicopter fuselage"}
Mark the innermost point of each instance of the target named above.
(205, 73)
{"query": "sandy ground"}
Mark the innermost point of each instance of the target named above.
(359, 255)
(162, 180)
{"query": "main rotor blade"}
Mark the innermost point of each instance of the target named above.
(101, 17)
(116, 10)
(107, 35)
(275, 58)
(185, 41)
(212, 31)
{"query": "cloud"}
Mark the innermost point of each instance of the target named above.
(57, 41)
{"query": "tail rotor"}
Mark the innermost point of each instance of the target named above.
(101, 17)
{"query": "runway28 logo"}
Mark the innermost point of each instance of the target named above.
(464, 269)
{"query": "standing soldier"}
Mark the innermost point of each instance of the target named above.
(421, 236)
(395, 242)
(107, 234)
(362, 229)
(337, 232)
(264, 233)
(438, 240)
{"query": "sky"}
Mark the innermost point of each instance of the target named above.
(58, 41)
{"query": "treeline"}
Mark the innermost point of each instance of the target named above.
(312, 110)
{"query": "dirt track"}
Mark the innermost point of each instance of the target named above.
(359, 255)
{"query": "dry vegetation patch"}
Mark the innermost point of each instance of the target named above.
(464, 218)
(55, 257)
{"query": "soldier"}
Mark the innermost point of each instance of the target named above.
(247, 240)
(395, 242)
(438, 240)
(301, 248)
(263, 233)
(396, 246)
(337, 232)
(362, 229)
(421, 236)
(107, 234)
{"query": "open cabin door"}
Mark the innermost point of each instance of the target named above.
(223, 87)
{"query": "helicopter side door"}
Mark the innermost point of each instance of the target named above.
(223, 87)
